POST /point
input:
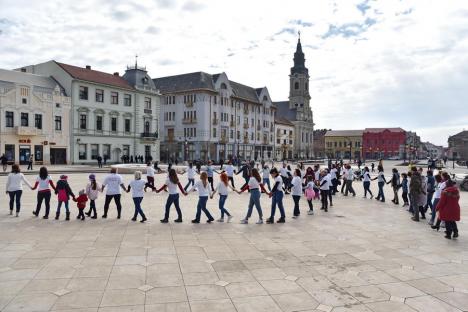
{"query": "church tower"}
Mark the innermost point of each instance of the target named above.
(299, 98)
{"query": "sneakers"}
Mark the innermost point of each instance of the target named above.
(270, 221)
(260, 221)
(244, 221)
(220, 220)
(310, 213)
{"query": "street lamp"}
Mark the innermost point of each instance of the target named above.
(350, 146)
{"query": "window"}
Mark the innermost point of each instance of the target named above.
(24, 101)
(83, 122)
(9, 120)
(38, 153)
(82, 151)
(296, 85)
(57, 105)
(38, 121)
(10, 152)
(214, 132)
(24, 119)
(99, 123)
(114, 98)
(114, 124)
(94, 151)
(83, 93)
(58, 123)
(127, 100)
(127, 125)
(147, 103)
(106, 151)
(99, 95)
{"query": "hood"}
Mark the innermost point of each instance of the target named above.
(452, 191)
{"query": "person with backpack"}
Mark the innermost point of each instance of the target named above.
(63, 192)
(43, 185)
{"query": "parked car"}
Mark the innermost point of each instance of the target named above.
(462, 181)
(394, 158)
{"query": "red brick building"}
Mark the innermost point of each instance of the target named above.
(383, 143)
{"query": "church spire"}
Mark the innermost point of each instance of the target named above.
(299, 59)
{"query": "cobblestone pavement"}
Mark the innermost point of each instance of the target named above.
(362, 255)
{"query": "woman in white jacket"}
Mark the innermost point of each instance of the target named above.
(14, 187)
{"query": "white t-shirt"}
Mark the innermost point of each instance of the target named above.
(112, 183)
(43, 184)
(366, 177)
(15, 182)
(333, 173)
(317, 175)
(381, 177)
(296, 186)
(439, 188)
(350, 174)
(203, 191)
(230, 170)
(137, 187)
(279, 180)
(171, 187)
(222, 188)
(253, 183)
(191, 173)
(326, 185)
(266, 173)
(283, 172)
(150, 171)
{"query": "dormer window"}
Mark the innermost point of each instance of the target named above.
(223, 86)
(145, 80)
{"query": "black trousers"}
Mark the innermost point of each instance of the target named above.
(43, 196)
(109, 198)
(232, 181)
(92, 207)
(296, 199)
(451, 227)
(210, 180)
(15, 194)
(324, 198)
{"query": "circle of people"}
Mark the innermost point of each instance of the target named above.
(419, 193)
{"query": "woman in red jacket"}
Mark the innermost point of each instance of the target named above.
(449, 209)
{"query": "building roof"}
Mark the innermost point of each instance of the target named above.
(344, 133)
(283, 121)
(377, 130)
(243, 91)
(92, 75)
(461, 135)
(283, 110)
(26, 78)
(185, 82)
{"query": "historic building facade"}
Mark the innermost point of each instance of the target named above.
(382, 143)
(210, 117)
(284, 138)
(112, 116)
(34, 114)
(343, 144)
(319, 143)
(458, 146)
(297, 109)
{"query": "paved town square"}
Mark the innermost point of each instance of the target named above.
(363, 255)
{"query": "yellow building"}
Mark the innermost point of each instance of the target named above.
(343, 144)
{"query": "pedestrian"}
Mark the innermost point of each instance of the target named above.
(449, 209)
(246, 173)
(285, 177)
(105, 159)
(310, 194)
(334, 180)
(204, 190)
(230, 172)
(439, 187)
(404, 189)
(222, 189)
(349, 181)
(81, 204)
(92, 191)
(4, 161)
(296, 192)
(276, 198)
(253, 185)
(172, 184)
(380, 182)
(324, 189)
(430, 180)
(366, 183)
(156, 167)
(149, 176)
(114, 184)
(99, 161)
(43, 185)
(191, 176)
(373, 166)
(209, 173)
(395, 183)
(138, 186)
(14, 188)
(418, 194)
(30, 162)
(63, 192)
(266, 177)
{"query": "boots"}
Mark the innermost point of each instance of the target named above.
(57, 215)
(89, 212)
(281, 220)
(143, 218)
(46, 216)
(67, 218)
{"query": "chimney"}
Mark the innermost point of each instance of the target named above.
(116, 74)
(88, 66)
(23, 70)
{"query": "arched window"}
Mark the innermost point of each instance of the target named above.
(147, 126)
(265, 98)
(296, 85)
(223, 86)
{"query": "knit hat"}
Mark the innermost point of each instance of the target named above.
(92, 177)
(63, 177)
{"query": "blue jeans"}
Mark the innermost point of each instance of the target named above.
(201, 206)
(190, 182)
(267, 182)
(433, 209)
(254, 201)
(173, 198)
(138, 211)
(222, 200)
(277, 199)
(429, 200)
(381, 195)
(16, 194)
(367, 188)
(60, 205)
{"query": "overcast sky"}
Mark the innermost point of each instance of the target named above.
(371, 63)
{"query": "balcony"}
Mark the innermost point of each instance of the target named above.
(149, 136)
(246, 126)
(215, 121)
(148, 111)
(20, 130)
(189, 121)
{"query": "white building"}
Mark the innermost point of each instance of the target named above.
(284, 138)
(112, 115)
(434, 151)
(211, 117)
(297, 109)
(34, 114)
